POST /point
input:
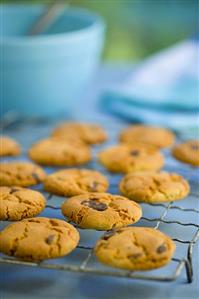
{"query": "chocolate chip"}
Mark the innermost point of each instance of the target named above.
(109, 234)
(93, 186)
(99, 206)
(50, 239)
(134, 153)
(119, 231)
(12, 252)
(12, 190)
(162, 248)
(195, 147)
(36, 177)
(61, 179)
(134, 256)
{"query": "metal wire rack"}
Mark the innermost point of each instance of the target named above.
(154, 215)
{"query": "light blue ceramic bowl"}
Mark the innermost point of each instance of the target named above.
(44, 75)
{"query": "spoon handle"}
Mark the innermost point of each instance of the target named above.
(49, 15)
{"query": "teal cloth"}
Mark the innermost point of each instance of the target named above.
(163, 90)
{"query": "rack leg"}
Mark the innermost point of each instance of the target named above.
(189, 271)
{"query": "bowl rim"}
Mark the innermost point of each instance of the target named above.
(97, 24)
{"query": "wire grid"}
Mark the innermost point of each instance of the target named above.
(86, 265)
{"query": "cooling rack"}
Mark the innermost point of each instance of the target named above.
(179, 219)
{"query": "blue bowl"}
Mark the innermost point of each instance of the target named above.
(45, 75)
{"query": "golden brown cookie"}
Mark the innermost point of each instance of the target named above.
(20, 174)
(17, 203)
(126, 158)
(154, 187)
(135, 248)
(55, 152)
(155, 136)
(36, 239)
(187, 152)
(71, 182)
(88, 133)
(9, 147)
(101, 211)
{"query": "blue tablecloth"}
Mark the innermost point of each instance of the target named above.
(23, 282)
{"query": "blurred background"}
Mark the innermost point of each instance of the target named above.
(138, 28)
(164, 85)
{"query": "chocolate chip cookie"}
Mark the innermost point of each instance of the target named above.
(135, 248)
(71, 182)
(155, 136)
(20, 174)
(88, 133)
(154, 187)
(101, 211)
(9, 147)
(36, 239)
(127, 158)
(18, 203)
(57, 152)
(187, 152)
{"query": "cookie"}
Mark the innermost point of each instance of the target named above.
(101, 211)
(71, 182)
(187, 152)
(155, 136)
(9, 147)
(126, 158)
(36, 239)
(20, 174)
(88, 133)
(154, 187)
(18, 203)
(54, 152)
(135, 248)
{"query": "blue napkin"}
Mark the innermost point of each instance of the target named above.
(163, 90)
